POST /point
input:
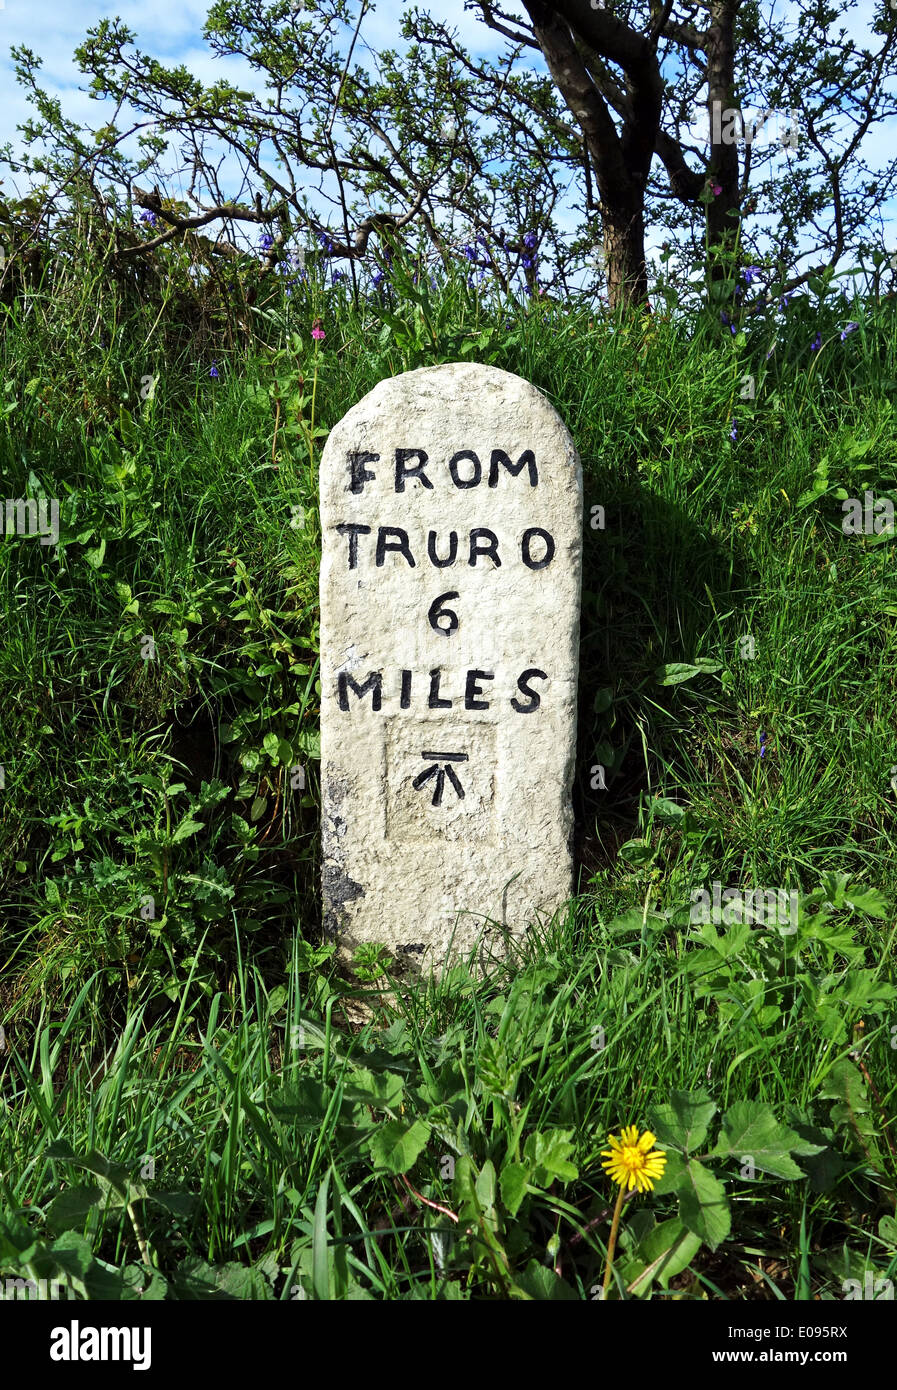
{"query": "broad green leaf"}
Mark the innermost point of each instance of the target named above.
(549, 1155)
(396, 1146)
(70, 1209)
(675, 672)
(539, 1282)
(320, 1258)
(187, 829)
(684, 1122)
(703, 1205)
(636, 852)
(868, 900)
(887, 1229)
(513, 1184)
(751, 1131)
(383, 1091)
(665, 1251)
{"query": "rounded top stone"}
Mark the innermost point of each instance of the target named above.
(481, 389)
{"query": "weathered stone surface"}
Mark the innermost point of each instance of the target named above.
(448, 666)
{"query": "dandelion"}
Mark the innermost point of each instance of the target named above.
(849, 328)
(816, 343)
(317, 332)
(632, 1163)
(214, 372)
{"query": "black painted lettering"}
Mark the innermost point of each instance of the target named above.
(405, 697)
(431, 549)
(526, 460)
(472, 689)
(477, 474)
(478, 534)
(353, 531)
(403, 471)
(373, 683)
(400, 544)
(359, 475)
(434, 701)
(525, 548)
(523, 685)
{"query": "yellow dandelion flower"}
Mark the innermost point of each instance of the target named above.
(628, 1161)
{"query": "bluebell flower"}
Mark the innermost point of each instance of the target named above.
(733, 432)
(148, 216)
(816, 343)
(786, 297)
(377, 278)
(469, 252)
(337, 275)
(325, 241)
(528, 262)
(531, 240)
(266, 241)
(213, 371)
(750, 274)
(850, 328)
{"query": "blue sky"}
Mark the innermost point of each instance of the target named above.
(172, 31)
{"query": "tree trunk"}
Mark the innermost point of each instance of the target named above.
(722, 227)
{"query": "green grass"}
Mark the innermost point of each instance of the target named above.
(250, 1121)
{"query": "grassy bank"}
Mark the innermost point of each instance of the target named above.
(195, 1102)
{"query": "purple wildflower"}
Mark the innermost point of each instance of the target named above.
(266, 241)
(733, 432)
(148, 217)
(850, 328)
(469, 252)
(762, 744)
(327, 244)
(531, 240)
(336, 276)
(214, 372)
(528, 262)
(377, 278)
(816, 343)
(750, 274)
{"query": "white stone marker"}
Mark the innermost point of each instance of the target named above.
(451, 511)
